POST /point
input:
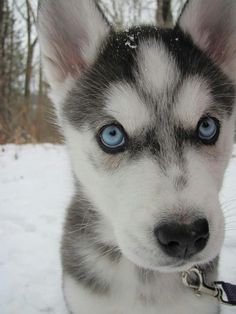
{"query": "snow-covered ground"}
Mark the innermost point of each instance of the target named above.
(35, 187)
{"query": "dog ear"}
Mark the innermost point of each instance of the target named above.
(212, 26)
(70, 33)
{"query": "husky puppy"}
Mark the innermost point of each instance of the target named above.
(148, 119)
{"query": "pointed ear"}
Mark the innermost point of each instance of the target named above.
(212, 26)
(70, 34)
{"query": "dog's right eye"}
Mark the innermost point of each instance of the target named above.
(112, 138)
(208, 130)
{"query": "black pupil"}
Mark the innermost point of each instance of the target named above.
(113, 133)
(205, 124)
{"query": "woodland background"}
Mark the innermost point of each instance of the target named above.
(26, 114)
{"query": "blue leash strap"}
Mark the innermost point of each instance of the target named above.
(224, 292)
(230, 292)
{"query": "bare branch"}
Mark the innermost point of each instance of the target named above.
(19, 10)
(31, 11)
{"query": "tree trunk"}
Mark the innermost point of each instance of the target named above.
(4, 36)
(28, 69)
(1, 50)
(11, 61)
(1, 13)
(30, 54)
(40, 105)
(164, 17)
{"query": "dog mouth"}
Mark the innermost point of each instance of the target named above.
(166, 265)
(182, 265)
(149, 260)
(175, 266)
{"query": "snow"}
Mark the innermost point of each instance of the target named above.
(35, 187)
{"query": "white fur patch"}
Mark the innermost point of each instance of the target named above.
(124, 104)
(157, 68)
(193, 101)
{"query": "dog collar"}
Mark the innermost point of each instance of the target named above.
(224, 292)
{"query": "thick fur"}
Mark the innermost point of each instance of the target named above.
(158, 84)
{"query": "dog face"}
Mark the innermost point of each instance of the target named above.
(148, 117)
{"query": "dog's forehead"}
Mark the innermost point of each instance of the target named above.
(159, 90)
(145, 74)
(185, 107)
(124, 104)
(134, 102)
(171, 77)
(157, 69)
(193, 101)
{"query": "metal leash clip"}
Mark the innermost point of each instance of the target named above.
(194, 279)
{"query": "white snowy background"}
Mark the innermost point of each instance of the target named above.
(35, 187)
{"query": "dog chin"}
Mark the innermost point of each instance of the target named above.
(176, 268)
(165, 267)
(172, 268)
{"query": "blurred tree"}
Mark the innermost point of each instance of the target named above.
(24, 104)
(123, 13)
(164, 15)
(4, 32)
(31, 44)
(11, 68)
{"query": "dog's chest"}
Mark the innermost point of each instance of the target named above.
(132, 294)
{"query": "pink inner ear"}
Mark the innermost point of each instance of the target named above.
(218, 45)
(212, 25)
(216, 30)
(68, 57)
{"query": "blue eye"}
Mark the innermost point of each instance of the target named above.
(208, 130)
(112, 138)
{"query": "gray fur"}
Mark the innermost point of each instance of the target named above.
(113, 253)
(180, 182)
(146, 276)
(79, 234)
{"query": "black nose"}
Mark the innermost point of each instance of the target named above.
(182, 240)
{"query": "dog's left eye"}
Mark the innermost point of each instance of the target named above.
(208, 130)
(112, 138)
